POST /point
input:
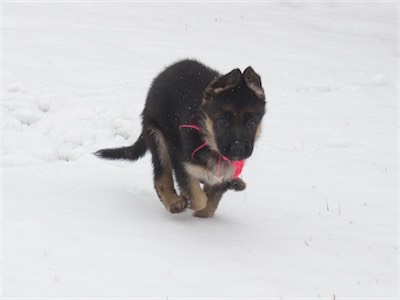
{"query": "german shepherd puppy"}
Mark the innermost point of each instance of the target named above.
(199, 126)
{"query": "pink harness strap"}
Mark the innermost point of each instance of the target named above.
(195, 127)
(238, 165)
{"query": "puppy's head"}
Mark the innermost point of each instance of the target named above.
(234, 105)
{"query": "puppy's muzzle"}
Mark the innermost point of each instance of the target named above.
(239, 151)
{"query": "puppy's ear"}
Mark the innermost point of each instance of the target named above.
(253, 81)
(224, 83)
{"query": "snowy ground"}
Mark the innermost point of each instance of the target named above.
(319, 218)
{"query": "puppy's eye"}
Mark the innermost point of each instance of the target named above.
(223, 123)
(251, 123)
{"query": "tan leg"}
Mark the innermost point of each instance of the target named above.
(196, 197)
(214, 194)
(163, 180)
(164, 186)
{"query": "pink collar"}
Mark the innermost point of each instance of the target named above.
(238, 165)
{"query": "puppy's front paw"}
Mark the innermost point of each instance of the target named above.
(178, 206)
(236, 184)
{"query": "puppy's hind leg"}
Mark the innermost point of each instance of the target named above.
(163, 180)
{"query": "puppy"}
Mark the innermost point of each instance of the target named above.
(199, 126)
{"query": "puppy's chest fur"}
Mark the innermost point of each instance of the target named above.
(201, 161)
(215, 171)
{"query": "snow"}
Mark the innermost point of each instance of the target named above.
(319, 217)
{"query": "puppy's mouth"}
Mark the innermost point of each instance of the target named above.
(237, 152)
(236, 158)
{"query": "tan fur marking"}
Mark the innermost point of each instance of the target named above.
(209, 132)
(258, 131)
(214, 196)
(197, 198)
(162, 147)
(165, 187)
(259, 91)
(197, 171)
(211, 175)
(167, 193)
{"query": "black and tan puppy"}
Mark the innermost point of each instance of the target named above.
(199, 126)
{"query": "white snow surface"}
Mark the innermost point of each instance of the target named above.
(319, 217)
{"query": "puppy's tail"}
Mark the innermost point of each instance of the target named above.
(134, 152)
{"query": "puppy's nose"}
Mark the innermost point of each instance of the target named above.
(237, 150)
